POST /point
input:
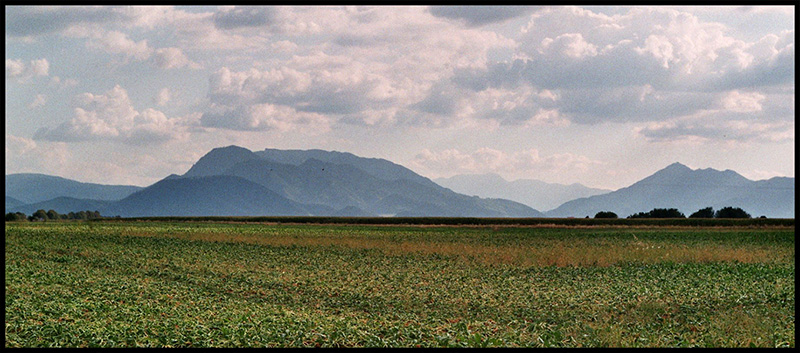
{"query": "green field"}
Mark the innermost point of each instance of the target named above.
(213, 284)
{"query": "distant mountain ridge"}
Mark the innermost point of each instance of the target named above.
(534, 193)
(688, 190)
(32, 188)
(236, 181)
(347, 183)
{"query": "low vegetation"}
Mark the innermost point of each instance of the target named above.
(159, 283)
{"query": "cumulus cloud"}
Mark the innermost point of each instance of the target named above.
(742, 102)
(264, 117)
(648, 64)
(163, 96)
(111, 117)
(17, 68)
(569, 44)
(171, 58)
(115, 42)
(318, 84)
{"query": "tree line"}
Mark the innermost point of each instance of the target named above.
(708, 212)
(52, 215)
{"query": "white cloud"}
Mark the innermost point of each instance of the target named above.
(111, 117)
(16, 145)
(115, 42)
(171, 58)
(163, 96)
(264, 117)
(739, 102)
(568, 44)
(38, 101)
(24, 155)
(58, 82)
(22, 70)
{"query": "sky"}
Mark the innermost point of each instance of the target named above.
(602, 96)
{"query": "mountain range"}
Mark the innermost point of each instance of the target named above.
(689, 190)
(234, 181)
(534, 193)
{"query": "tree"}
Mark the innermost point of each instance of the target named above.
(18, 216)
(731, 212)
(605, 214)
(659, 213)
(707, 212)
(52, 214)
(39, 215)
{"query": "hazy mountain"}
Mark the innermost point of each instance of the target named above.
(62, 204)
(31, 188)
(376, 167)
(12, 202)
(217, 195)
(534, 193)
(678, 186)
(234, 181)
(350, 184)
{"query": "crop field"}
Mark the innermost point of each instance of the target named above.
(167, 283)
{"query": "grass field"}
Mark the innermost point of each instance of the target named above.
(211, 284)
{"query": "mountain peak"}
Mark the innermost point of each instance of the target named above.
(677, 166)
(219, 159)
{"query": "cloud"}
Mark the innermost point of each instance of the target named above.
(647, 64)
(569, 44)
(247, 16)
(265, 117)
(24, 155)
(481, 15)
(16, 145)
(171, 58)
(115, 42)
(319, 84)
(23, 71)
(528, 163)
(23, 21)
(739, 102)
(734, 116)
(111, 117)
(162, 97)
(700, 129)
(39, 101)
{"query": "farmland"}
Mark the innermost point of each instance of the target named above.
(170, 283)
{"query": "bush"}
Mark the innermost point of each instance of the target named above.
(605, 214)
(731, 212)
(659, 213)
(707, 212)
(19, 216)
